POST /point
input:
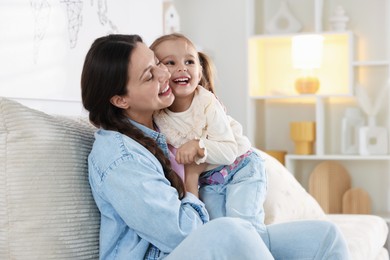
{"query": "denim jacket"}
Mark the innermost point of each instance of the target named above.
(140, 211)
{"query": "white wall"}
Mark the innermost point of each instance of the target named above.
(43, 44)
(221, 29)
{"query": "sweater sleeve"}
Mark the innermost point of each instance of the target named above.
(220, 144)
(243, 142)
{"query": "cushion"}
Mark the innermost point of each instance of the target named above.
(383, 254)
(366, 234)
(286, 199)
(46, 206)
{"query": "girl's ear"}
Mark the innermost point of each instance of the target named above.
(119, 101)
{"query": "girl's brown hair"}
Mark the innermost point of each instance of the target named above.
(208, 70)
(104, 75)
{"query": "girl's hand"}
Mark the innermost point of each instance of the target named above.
(188, 152)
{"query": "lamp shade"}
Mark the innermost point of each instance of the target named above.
(307, 51)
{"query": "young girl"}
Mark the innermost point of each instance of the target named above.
(234, 182)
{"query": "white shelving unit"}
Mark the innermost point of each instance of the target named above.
(272, 106)
(292, 159)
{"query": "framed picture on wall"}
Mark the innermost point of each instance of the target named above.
(43, 42)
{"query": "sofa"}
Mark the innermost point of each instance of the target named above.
(47, 210)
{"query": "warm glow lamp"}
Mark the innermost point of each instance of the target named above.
(307, 56)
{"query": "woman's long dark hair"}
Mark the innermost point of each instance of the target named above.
(104, 75)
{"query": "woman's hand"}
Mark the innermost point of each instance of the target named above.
(188, 152)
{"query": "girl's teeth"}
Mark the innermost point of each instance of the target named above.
(181, 80)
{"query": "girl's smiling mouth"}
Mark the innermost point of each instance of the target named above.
(182, 80)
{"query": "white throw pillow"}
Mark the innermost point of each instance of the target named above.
(46, 206)
(286, 199)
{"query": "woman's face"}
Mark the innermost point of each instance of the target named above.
(148, 86)
(182, 62)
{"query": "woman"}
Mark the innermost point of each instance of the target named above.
(147, 212)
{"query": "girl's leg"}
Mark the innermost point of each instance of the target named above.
(246, 192)
(213, 197)
(222, 238)
(313, 239)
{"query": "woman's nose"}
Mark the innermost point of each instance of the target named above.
(163, 74)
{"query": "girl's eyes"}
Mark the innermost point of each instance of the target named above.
(172, 63)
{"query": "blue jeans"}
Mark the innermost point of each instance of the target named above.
(233, 238)
(307, 239)
(222, 238)
(242, 194)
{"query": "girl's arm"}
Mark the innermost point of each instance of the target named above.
(220, 144)
(216, 135)
(243, 142)
(217, 145)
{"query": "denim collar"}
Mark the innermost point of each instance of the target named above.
(155, 135)
(146, 130)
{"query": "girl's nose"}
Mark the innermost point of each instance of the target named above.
(182, 68)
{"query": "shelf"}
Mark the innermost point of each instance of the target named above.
(370, 63)
(338, 157)
(301, 96)
(271, 70)
(291, 160)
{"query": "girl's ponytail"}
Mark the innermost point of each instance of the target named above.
(207, 80)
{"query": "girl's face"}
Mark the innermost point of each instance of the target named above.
(147, 88)
(182, 62)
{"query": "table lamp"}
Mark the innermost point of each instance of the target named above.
(307, 56)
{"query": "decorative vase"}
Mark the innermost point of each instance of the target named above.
(373, 139)
(303, 134)
(350, 125)
(339, 19)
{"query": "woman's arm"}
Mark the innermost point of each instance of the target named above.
(192, 173)
(145, 200)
